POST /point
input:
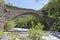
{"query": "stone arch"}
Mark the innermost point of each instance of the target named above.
(31, 13)
(10, 12)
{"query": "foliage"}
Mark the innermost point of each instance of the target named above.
(36, 33)
(26, 22)
(1, 1)
(2, 33)
(51, 14)
(57, 26)
(13, 36)
(9, 35)
(10, 25)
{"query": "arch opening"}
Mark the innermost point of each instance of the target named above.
(23, 20)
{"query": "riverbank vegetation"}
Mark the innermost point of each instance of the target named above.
(51, 13)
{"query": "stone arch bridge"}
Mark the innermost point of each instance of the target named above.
(9, 12)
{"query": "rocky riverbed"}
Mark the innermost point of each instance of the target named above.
(51, 35)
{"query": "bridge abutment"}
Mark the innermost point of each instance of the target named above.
(2, 18)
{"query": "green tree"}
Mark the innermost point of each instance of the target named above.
(1, 1)
(51, 13)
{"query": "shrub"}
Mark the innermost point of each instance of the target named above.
(26, 22)
(10, 25)
(13, 36)
(2, 33)
(56, 26)
(1, 1)
(36, 33)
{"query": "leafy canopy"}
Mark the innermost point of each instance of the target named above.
(1, 1)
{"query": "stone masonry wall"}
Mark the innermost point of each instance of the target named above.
(2, 18)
